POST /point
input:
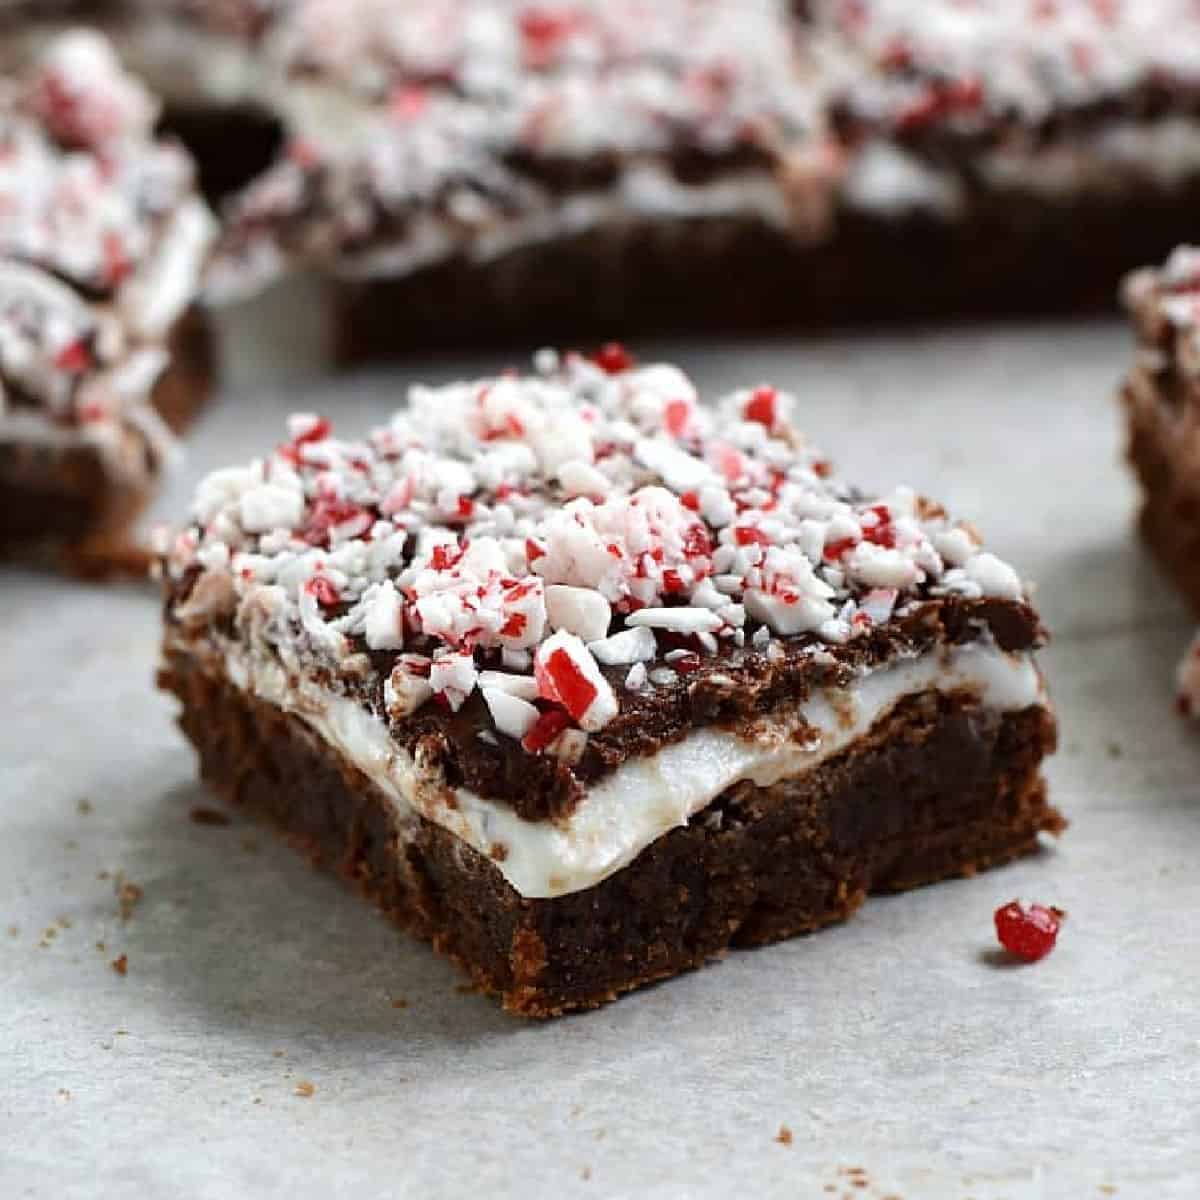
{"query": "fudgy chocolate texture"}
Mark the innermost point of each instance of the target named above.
(732, 687)
(56, 501)
(1009, 255)
(939, 788)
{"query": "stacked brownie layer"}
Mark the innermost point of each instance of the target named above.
(585, 682)
(102, 246)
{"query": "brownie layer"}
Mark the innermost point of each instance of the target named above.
(57, 499)
(940, 787)
(1010, 254)
(1169, 471)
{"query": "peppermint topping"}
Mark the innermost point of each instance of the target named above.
(962, 65)
(448, 537)
(449, 116)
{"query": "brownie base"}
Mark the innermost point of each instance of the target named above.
(60, 504)
(940, 788)
(1010, 255)
(1170, 515)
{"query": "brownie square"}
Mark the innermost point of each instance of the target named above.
(104, 353)
(584, 680)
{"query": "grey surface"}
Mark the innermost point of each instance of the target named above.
(897, 1043)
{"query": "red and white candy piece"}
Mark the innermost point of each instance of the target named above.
(453, 676)
(567, 674)
(407, 687)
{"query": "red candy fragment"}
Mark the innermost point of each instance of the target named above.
(613, 358)
(762, 407)
(325, 592)
(543, 30)
(545, 729)
(74, 358)
(561, 680)
(675, 417)
(317, 431)
(750, 535)
(329, 511)
(1028, 930)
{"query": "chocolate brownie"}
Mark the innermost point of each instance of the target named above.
(1162, 404)
(586, 682)
(103, 352)
(498, 172)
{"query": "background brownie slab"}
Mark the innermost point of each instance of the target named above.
(1015, 255)
(940, 788)
(1161, 398)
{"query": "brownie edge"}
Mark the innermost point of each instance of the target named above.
(941, 787)
(63, 506)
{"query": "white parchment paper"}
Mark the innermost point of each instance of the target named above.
(903, 1057)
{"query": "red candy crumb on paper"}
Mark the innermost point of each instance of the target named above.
(1029, 931)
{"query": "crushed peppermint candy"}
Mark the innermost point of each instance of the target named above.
(448, 539)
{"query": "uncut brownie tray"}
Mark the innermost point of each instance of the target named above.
(584, 680)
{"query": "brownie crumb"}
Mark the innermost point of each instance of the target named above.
(14, 931)
(209, 816)
(399, 1002)
(305, 1089)
(1113, 749)
(784, 1136)
(121, 965)
(128, 896)
(84, 808)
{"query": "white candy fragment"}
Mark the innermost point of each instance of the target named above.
(954, 545)
(384, 625)
(270, 506)
(677, 620)
(524, 686)
(679, 470)
(994, 577)
(636, 645)
(791, 614)
(580, 611)
(580, 478)
(512, 716)
(407, 687)
(879, 566)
